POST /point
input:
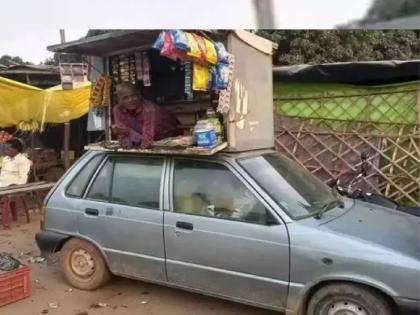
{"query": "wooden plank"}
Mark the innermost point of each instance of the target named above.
(19, 190)
(418, 106)
(393, 158)
(114, 146)
(187, 107)
(23, 185)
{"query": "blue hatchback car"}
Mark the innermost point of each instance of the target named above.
(251, 227)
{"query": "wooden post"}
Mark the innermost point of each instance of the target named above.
(66, 124)
(418, 128)
(418, 105)
(33, 154)
(264, 14)
(28, 80)
(107, 110)
(62, 36)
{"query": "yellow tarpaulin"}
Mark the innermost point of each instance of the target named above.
(21, 102)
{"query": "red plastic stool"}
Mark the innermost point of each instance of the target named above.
(9, 209)
(6, 211)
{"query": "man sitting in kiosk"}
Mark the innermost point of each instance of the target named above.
(139, 121)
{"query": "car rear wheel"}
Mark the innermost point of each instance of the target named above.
(346, 299)
(83, 265)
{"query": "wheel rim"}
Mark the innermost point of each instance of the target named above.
(82, 263)
(346, 308)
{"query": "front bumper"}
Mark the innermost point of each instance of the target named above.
(408, 306)
(49, 242)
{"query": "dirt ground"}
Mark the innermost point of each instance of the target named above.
(51, 295)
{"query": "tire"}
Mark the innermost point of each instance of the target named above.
(83, 265)
(335, 299)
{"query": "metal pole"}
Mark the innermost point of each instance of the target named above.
(62, 36)
(66, 124)
(264, 14)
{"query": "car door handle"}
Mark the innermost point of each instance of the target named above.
(184, 225)
(91, 211)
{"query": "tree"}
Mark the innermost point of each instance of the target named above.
(11, 60)
(52, 61)
(327, 46)
(8, 60)
(390, 9)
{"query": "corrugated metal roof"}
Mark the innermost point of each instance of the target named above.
(108, 43)
(112, 42)
(38, 69)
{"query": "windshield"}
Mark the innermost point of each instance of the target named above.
(293, 187)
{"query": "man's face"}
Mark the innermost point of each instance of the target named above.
(11, 152)
(129, 98)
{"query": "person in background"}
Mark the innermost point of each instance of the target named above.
(139, 121)
(15, 166)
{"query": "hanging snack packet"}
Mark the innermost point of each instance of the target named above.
(139, 66)
(159, 41)
(202, 48)
(212, 79)
(193, 49)
(222, 73)
(146, 69)
(169, 50)
(188, 80)
(180, 40)
(211, 54)
(200, 77)
(222, 54)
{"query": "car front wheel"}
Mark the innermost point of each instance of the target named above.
(83, 265)
(347, 299)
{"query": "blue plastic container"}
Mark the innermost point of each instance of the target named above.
(205, 138)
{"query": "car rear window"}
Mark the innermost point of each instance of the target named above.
(80, 181)
(100, 188)
(136, 182)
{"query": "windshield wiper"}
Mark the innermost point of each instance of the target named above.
(328, 206)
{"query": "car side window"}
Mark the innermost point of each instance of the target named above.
(100, 187)
(211, 189)
(136, 181)
(80, 181)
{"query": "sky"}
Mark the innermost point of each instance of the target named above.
(37, 23)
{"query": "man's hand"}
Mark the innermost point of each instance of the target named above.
(119, 130)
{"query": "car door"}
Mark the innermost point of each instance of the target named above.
(222, 238)
(123, 214)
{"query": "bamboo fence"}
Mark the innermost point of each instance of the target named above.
(331, 148)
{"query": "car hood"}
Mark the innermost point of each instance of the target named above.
(382, 226)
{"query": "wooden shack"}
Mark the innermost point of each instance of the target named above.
(248, 122)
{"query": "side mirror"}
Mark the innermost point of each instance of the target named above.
(335, 183)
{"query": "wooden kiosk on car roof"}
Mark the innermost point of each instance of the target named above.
(249, 123)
